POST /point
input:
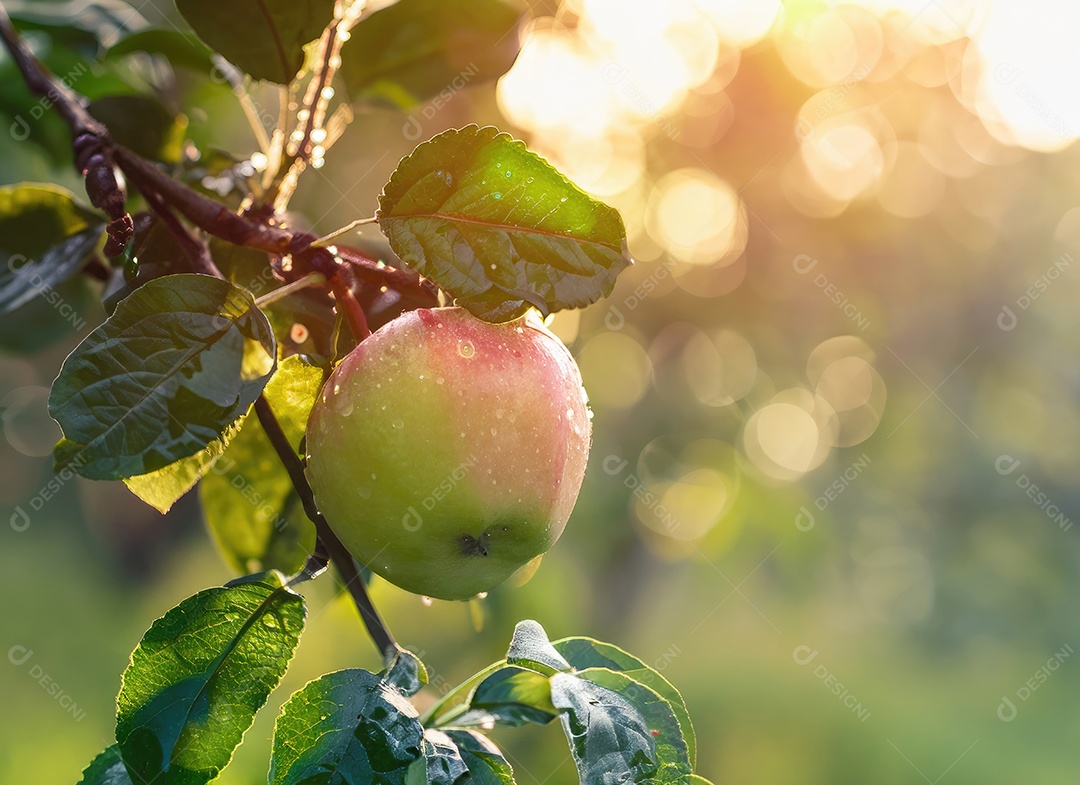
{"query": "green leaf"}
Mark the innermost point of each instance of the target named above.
(175, 365)
(345, 727)
(585, 653)
(498, 227)
(200, 674)
(456, 701)
(251, 508)
(22, 280)
(485, 762)
(106, 769)
(264, 38)
(531, 648)
(405, 673)
(178, 48)
(619, 730)
(45, 237)
(460, 757)
(143, 124)
(442, 761)
(162, 489)
(510, 696)
(415, 49)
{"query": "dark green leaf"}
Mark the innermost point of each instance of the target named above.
(456, 701)
(162, 489)
(442, 760)
(415, 49)
(619, 730)
(510, 696)
(345, 727)
(22, 280)
(106, 769)
(585, 653)
(530, 648)
(251, 508)
(485, 762)
(406, 673)
(143, 124)
(179, 48)
(172, 368)
(264, 38)
(200, 674)
(498, 228)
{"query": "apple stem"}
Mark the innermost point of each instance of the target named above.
(348, 303)
(328, 544)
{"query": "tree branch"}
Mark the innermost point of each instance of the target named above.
(158, 187)
(334, 548)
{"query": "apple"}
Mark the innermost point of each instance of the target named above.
(446, 452)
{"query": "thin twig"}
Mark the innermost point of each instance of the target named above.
(316, 101)
(271, 297)
(235, 78)
(334, 548)
(326, 239)
(347, 302)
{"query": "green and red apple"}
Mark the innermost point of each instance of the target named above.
(446, 452)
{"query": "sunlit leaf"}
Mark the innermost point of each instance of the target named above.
(45, 237)
(175, 365)
(252, 510)
(345, 727)
(161, 489)
(498, 228)
(264, 38)
(200, 674)
(531, 648)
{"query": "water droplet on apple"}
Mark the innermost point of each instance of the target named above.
(496, 196)
(346, 409)
(494, 431)
(399, 424)
(363, 491)
(439, 380)
(337, 389)
(569, 414)
(426, 602)
(509, 174)
(482, 595)
(563, 199)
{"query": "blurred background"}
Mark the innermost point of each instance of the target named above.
(833, 487)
